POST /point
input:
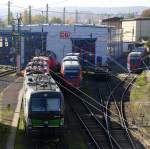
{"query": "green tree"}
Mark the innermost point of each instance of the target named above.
(56, 20)
(146, 13)
(37, 19)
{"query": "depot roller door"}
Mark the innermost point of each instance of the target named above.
(86, 48)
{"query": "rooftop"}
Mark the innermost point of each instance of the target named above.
(112, 19)
(136, 19)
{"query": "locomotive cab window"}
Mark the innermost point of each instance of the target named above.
(45, 105)
(1, 42)
(53, 104)
(38, 105)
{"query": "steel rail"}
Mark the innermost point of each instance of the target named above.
(107, 111)
(94, 119)
(118, 109)
(8, 72)
(123, 114)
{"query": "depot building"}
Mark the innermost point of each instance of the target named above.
(91, 41)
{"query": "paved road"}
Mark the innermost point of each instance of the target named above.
(9, 101)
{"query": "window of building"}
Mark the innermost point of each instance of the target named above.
(6, 42)
(1, 42)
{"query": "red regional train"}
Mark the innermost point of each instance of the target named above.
(71, 72)
(136, 62)
(51, 61)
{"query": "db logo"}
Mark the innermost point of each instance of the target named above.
(64, 34)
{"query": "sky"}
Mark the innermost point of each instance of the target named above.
(77, 3)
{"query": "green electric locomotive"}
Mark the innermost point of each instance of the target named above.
(43, 105)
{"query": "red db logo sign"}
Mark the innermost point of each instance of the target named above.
(64, 35)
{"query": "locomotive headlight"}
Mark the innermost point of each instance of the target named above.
(62, 121)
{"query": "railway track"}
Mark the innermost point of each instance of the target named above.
(7, 72)
(90, 114)
(42, 144)
(115, 117)
(105, 121)
(93, 127)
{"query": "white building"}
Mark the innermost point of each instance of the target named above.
(135, 29)
(90, 40)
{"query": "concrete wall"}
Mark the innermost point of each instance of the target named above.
(143, 28)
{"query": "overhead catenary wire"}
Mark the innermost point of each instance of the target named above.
(79, 97)
(89, 104)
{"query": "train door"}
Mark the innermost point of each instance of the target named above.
(86, 48)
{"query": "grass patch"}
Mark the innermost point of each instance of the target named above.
(141, 90)
(140, 100)
(141, 81)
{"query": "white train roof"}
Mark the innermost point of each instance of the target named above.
(135, 53)
(70, 58)
(71, 64)
(40, 82)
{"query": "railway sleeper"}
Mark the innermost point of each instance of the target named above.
(96, 130)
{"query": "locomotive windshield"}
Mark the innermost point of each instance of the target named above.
(135, 59)
(72, 72)
(45, 105)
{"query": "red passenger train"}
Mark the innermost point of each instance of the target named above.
(72, 73)
(51, 61)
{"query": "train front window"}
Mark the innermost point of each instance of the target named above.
(53, 104)
(72, 72)
(45, 104)
(134, 60)
(38, 105)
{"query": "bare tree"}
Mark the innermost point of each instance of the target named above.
(146, 13)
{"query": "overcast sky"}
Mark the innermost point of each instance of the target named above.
(77, 3)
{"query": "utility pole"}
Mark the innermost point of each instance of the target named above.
(64, 13)
(30, 17)
(18, 48)
(47, 13)
(76, 16)
(42, 37)
(13, 39)
(9, 22)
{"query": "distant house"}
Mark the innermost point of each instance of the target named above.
(136, 29)
(114, 21)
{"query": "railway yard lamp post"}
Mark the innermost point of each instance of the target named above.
(18, 49)
(42, 40)
(15, 43)
(13, 40)
(16, 37)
